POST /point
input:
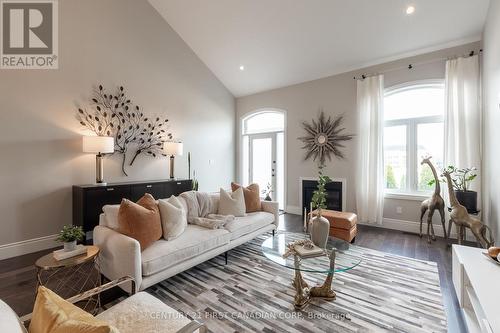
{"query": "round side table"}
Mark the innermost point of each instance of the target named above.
(72, 276)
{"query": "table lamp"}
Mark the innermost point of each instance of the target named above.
(172, 149)
(99, 145)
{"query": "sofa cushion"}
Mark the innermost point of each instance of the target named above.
(241, 226)
(192, 242)
(143, 312)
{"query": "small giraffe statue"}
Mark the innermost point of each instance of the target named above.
(462, 219)
(431, 204)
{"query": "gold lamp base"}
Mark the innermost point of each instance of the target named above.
(99, 169)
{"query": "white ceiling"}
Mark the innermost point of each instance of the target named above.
(283, 42)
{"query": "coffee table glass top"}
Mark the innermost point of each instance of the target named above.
(346, 256)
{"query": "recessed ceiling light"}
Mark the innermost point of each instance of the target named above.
(242, 68)
(410, 10)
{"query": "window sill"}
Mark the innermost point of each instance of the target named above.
(406, 196)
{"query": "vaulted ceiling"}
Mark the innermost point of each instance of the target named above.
(283, 42)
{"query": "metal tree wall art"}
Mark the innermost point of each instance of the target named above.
(324, 138)
(113, 114)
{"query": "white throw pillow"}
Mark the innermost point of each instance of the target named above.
(232, 203)
(111, 216)
(173, 217)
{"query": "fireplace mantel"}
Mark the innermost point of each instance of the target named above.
(340, 180)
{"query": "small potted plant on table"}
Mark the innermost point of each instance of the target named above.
(69, 235)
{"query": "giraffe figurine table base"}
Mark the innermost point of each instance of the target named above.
(304, 294)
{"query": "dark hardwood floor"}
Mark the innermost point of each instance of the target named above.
(18, 275)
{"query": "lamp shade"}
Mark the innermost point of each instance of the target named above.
(98, 144)
(173, 148)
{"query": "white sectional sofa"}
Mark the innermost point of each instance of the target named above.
(121, 255)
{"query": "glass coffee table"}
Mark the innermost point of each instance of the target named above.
(337, 257)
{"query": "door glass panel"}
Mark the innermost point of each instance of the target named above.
(280, 170)
(246, 166)
(262, 157)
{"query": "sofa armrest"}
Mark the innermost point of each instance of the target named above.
(194, 326)
(119, 256)
(273, 208)
(9, 321)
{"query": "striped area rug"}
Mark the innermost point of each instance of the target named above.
(385, 293)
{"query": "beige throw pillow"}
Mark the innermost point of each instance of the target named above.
(173, 217)
(232, 203)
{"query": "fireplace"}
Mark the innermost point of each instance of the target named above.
(335, 193)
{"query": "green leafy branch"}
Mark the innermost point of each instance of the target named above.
(319, 196)
(460, 178)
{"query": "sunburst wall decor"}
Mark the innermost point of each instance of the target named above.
(324, 138)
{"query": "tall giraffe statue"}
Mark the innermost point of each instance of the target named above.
(431, 204)
(462, 219)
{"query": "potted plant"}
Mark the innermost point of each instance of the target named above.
(69, 235)
(267, 192)
(320, 226)
(461, 179)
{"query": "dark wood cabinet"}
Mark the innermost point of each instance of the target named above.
(88, 200)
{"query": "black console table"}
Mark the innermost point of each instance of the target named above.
(88, 200)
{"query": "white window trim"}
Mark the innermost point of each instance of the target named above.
(411, 191)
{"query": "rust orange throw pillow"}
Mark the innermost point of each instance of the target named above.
(140, 220)
(252, 196)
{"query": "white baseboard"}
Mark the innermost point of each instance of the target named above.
(27, 246)
(293, 210)
(414, 227)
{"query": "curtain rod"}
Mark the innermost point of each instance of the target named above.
(412, 65)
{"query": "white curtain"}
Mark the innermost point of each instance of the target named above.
(463, 115)
(370, 164)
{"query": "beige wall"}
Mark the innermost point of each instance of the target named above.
(337, 95)
(112, 42)
(491, 120)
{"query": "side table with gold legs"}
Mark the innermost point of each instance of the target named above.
(72, 276)
(337, 258)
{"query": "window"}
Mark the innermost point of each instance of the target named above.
(413, 129)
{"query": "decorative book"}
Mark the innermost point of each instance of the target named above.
(61, 254)
(305, 252)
